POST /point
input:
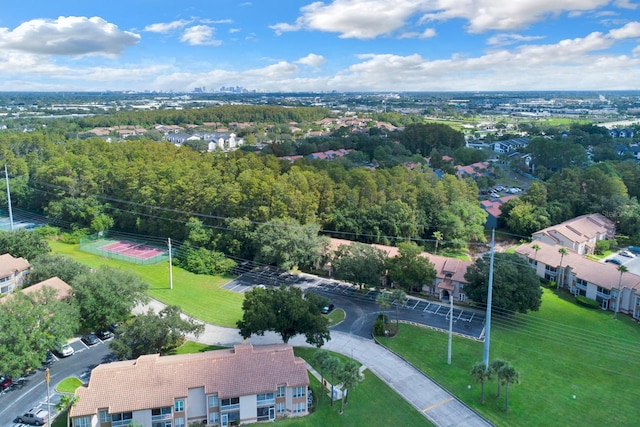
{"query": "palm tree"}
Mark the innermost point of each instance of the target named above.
(536, 248)
(319, 359)
(622, 269)
(384, 301)
(438, 236)
(65, 403)
(481, 373)
(398, 296)
(332, 366)
(496, 368)
(562, 252)
(349, 377)
(509, 375)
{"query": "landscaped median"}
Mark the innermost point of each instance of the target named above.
(572, 361)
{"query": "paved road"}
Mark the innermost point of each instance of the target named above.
(440, 407)
(34, 392)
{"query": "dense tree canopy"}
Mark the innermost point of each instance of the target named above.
(516, 287)
(408, 270)
(23, 243)
(285, 311)
(359, 264)
(107, 296)
(152, 333)
(30, 325)
(47, 266)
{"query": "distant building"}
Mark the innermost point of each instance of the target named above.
(580, 233)
(243, 385)
(492, 207)
(13, 273)
(510, 145)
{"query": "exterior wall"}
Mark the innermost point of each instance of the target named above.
(142, 417)
(195, 404)
(248, 409)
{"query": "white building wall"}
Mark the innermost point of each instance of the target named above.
(142, 417)
(196, 405)
(248, 408)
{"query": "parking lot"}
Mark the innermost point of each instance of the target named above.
(466, 322)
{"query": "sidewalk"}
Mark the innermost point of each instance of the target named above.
(440, 407)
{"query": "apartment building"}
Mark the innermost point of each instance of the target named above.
(13, 273)
(580, 234)
(230, 387)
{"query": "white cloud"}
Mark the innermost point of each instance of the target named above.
(165, 27)
(234, 30)
(505, 39)
(630, 30)
(72, 35)
(367, 19)
(426, 34)
(312, 60)
(200, 35)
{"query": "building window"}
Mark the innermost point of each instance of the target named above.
(265, 399)
(263, 413)
(213, 401)
(122, 419)
(214, 418)
(180, 422)
(229, 404)
(82, 422)
(461, 297)
(178, 406)
(281, 390)
(280, 407)
(104, 416)
(299, 391)
(300, 407)
(161, 417)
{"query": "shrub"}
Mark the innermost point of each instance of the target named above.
(584, 301)
(380, 325)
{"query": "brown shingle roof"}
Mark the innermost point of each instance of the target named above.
(581, 229)
(63, 291)
(153, 381)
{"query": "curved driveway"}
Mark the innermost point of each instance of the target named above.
(439, 406)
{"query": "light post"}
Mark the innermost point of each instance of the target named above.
(469, 388)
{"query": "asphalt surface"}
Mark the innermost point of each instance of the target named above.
(33, 393)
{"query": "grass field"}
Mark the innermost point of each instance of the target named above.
(561, 351)
(199, 295)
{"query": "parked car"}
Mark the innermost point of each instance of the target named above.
(90, 339)
(48, 359)
(634, 249)
(627, 254)
(614, 261)
(327, 309)
(104, 334)
(34, 417)
(113, 327)
(5, 382)
(64, 350)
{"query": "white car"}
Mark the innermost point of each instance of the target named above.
(627, 254)
(65, 350)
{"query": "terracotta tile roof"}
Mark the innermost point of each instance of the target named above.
(605, 275)
(153, 381)
(63, 290)
(443, 265)
(580, 229)
(10, 265)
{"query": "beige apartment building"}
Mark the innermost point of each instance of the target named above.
(245, 384)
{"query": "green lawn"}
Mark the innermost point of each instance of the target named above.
(336, 316)
(371, 403)
(198, 295)
(561, 351)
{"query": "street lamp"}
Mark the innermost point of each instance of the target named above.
(469, 388)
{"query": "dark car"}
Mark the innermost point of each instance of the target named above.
(614, 261)
(634, 250)
(90, 339)
(327, 309)
(5, 382)
(114, 327)
(48, 359)
(104, 334)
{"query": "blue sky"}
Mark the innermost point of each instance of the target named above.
(343, 45)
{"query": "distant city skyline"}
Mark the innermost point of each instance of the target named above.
(341, 45)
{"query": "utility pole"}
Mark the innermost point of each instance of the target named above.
(170, 266)
(6, 177)
(450, 327)
(487, 334)
(47, 378)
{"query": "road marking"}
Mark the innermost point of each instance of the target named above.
(437, 404)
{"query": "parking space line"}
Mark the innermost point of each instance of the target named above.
(437, 309)
(461, 311)
(471, 318)
(416, 304)
(427, 307)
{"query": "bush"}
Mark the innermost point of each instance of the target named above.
(380, 325)
(584, 301)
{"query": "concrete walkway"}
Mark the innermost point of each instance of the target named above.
(439, 406)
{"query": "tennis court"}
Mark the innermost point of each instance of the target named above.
(127, 250)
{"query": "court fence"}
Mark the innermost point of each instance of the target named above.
(96, 242)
